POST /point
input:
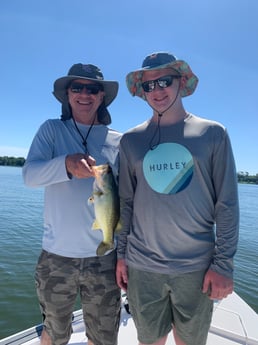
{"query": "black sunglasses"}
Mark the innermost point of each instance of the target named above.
(163, 82)
(91, 89)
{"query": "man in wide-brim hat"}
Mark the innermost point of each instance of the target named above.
(60, 159)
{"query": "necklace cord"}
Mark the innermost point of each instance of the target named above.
(84, 139)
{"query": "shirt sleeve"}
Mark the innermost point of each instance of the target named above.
(42, 167)
(127, 186)
(226, 207)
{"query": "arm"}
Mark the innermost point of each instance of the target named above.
(121, 274)
(127, 186)
(47, 162)
(219, 278)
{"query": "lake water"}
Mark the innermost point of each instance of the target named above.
(20, 244)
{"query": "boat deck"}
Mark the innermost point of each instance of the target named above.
(233, 322)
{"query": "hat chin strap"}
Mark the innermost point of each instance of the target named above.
(157, 130)
(170, 106)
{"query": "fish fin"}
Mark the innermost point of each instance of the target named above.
(95, 225)
(118, 227)
(103, 248)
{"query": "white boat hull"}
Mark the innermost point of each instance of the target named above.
(233, 322)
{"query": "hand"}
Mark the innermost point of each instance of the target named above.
(121, 274)
(79, 165)
(217, 285)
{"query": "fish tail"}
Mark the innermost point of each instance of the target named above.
(103, 248)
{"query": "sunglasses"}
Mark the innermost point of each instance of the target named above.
(91, 89)
(163, 82)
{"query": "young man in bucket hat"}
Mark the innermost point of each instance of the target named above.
(60, 159)
(180, 214)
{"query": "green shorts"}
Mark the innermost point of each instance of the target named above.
(59, 280)
(158, 301)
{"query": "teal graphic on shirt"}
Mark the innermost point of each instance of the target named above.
(168, 168)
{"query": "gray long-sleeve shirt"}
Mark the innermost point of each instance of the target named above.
(67, 216)
(179, 200)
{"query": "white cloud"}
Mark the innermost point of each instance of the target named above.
(12, 151)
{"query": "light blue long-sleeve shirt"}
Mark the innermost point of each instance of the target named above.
(67, 216)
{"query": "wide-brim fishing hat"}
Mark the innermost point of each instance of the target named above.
(158, 61)
(85, 72)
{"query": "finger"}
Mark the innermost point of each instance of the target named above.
(91, 161)
(206, 286)
(85, 169)
(121, 284)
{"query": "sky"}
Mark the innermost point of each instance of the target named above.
(41, 40)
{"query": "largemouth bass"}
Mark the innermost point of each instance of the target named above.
(106, 206)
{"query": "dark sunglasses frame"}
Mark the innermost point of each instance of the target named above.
(91, 89)
(163, 82)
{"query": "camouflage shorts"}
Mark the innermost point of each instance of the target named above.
(59, 280)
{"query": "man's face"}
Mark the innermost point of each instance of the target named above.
(160, 88)
(85, 101)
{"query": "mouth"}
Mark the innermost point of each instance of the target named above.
(160, 99)
(84, 103)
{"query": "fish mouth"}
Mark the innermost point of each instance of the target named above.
(99, 170)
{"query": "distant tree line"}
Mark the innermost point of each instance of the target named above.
(242, 177)
(12, 161)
